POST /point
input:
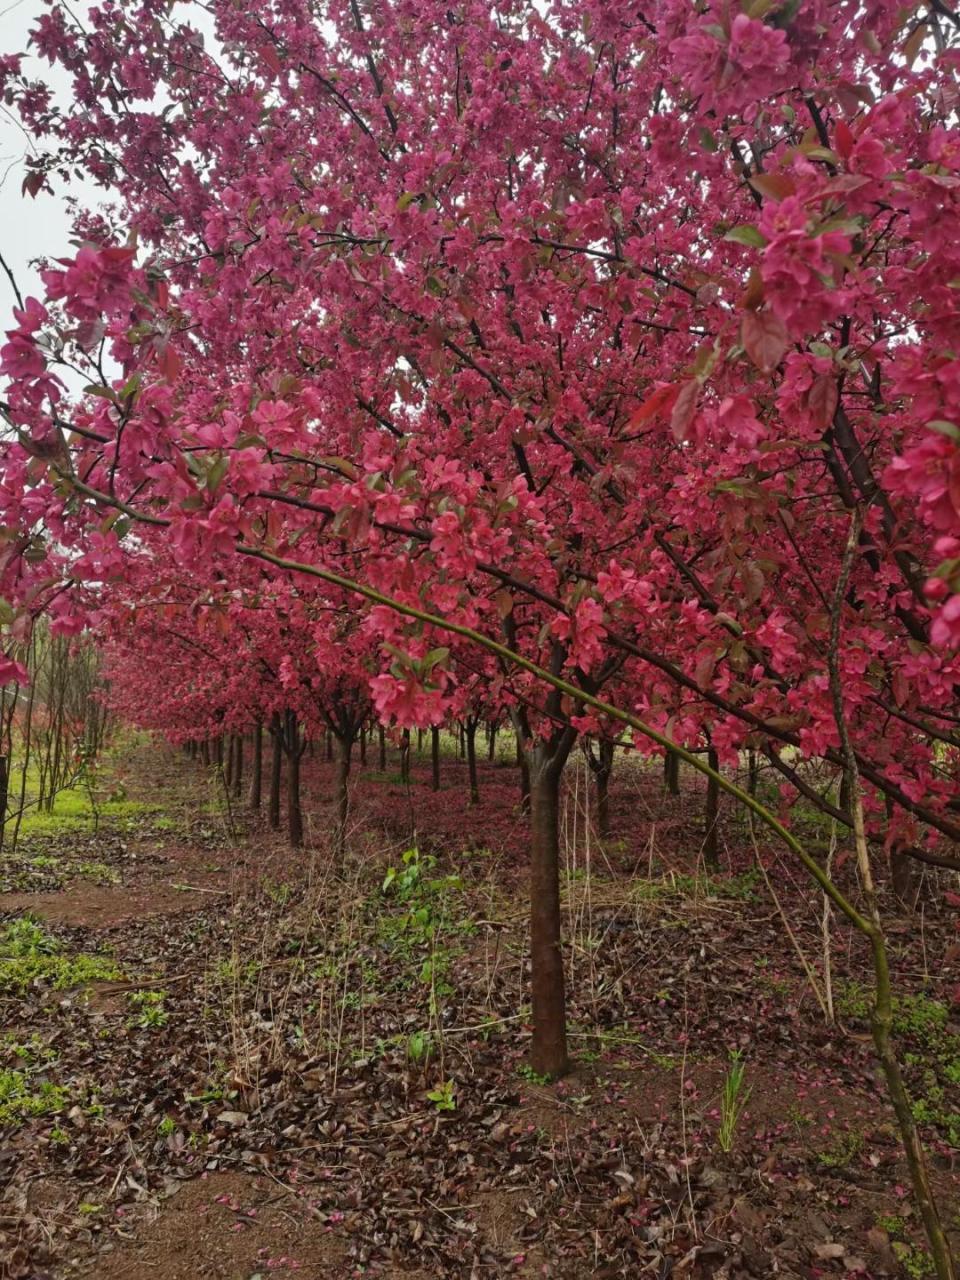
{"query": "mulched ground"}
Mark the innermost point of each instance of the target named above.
(273, 1115)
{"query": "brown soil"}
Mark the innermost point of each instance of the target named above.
(223, 1226)
(106, 906)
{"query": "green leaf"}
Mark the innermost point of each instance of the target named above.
(746, 235)
(822, 153)
(340, 464)
(216, 473)
(433, 658)
(404, 659)
(105, 393)
(945, 428)
(131, 386)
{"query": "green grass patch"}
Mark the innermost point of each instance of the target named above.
(22, 1097)
(73, 812)
(28, 954)
(740, 888)
(931, 1057)
(24, 1090)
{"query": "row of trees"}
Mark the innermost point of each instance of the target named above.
(589, 363)
(52, 730)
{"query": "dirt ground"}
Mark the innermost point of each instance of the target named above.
(281, 1074)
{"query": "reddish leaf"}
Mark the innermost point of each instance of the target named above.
(822, 400)
(764, 339)
(32, 183)
(169, 363)
(901, 688)
(706, 665)
(775, 185)
(657, 402)
(752, 581)
(843, 137)
(269, 55)
(683, 409)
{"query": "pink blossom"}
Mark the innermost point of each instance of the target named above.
(737, 416)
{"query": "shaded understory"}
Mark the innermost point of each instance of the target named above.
(221, 1059)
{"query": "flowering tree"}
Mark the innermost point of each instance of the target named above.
(589, 329)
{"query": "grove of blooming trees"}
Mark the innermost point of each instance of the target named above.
(621, 336)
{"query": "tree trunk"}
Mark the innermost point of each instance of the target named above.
(905, 876)
(711, 840)
(4, 789)
(228, 761)
(435, 757)
(342, 796)
(419, 742)
(363, 748)
(491, 743)
(294, 811)
(405, 757)
(671, 773)
(470, 733)
(237, 764)
(276, 769)
(256, 782)
(328, 746)
(753, 771)
(603, 774)
(382, 745)
(548, 1054)
(843, 800)
(524, 766)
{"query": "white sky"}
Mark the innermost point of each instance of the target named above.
(31, 228)
(28, 228)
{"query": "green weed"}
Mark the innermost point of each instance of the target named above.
(915, 1261)
(149, 1009)
(443, 1096)
(842, 1152)
(892, 1224)
(28, 955)
(26, 1053)
(230, 972)
(736, 888)
(278, 893)
(932, 1059)
(22, 1097)
(98, 872)
(419, 1046)
(733, 1100)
